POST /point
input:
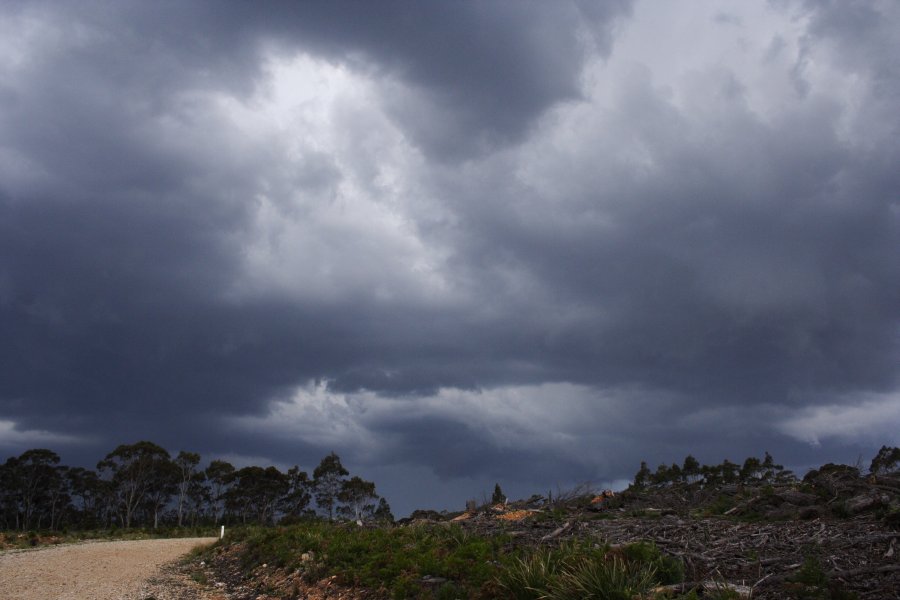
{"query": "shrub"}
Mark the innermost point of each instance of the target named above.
(612, 579)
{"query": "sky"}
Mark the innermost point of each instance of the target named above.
(458, 244)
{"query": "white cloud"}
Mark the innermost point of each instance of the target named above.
(874, 419)
(11, 435)
(562, 418)
(337, 202)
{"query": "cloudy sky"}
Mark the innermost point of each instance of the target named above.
(456, 243)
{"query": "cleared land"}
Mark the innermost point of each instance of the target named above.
(122, 570)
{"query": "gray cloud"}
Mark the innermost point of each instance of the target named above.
(508, 241)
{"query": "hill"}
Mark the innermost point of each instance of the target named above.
(833, 534)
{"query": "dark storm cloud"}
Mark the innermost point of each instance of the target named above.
(589, 244)
(124, 195)
(754, 265)
(479, 72)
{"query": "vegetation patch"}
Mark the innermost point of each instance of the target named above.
(446, 561)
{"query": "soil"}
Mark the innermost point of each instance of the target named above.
(122, 570)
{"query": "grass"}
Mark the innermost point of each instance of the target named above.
(392, 559)
(446, 561)
(578, 570)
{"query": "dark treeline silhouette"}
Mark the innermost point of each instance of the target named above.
(141, 484)
(753, 470)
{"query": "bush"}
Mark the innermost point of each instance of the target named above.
(668, 569)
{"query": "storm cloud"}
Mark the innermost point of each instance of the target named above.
(457, 243)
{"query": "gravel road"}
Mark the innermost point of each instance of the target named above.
(128, 570)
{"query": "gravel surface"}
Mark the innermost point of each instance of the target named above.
(126, 570)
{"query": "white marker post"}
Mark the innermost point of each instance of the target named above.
(222, 532)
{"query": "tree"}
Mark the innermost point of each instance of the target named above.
(886, 461)
(357, 495)
(328, 480)
(690, 469)
(752, 470)
(661, 476)
(86, 488)
(186, 463)
(198, 496)
(498, 497)
(219, 475)
(642, 477)
(36, 487)
(712, 474)
(132, 469)
(255, 492)
(675, 474)
(298, 496)
(162, 486)
(383, 512)
(729, 471)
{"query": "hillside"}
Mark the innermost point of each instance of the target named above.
(835, 534)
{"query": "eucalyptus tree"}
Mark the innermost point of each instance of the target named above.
(256, 492)
(37, 487)
(328, 480)
(358, 497)
(295, 502)
(163, 485)
(186, 465)
(133, 470)
(88, 494)
(219, 476)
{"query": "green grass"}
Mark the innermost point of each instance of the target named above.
(391, 559)
(396, 560)
(584, 570)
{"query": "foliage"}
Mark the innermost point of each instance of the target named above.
(141, 484)
(358, 496)
(498, 497)
(134, 470)
(186, 465)
(328, 480)
(255, 492)
(394, 559)
(219, 477)
(383, 512)
(581, 571)
(691, 472)
(298, 496)
(668, 568)
(886, 461)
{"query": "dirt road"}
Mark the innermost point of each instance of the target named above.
(127, 570)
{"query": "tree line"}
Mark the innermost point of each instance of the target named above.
(752, 470)
(141, 484)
